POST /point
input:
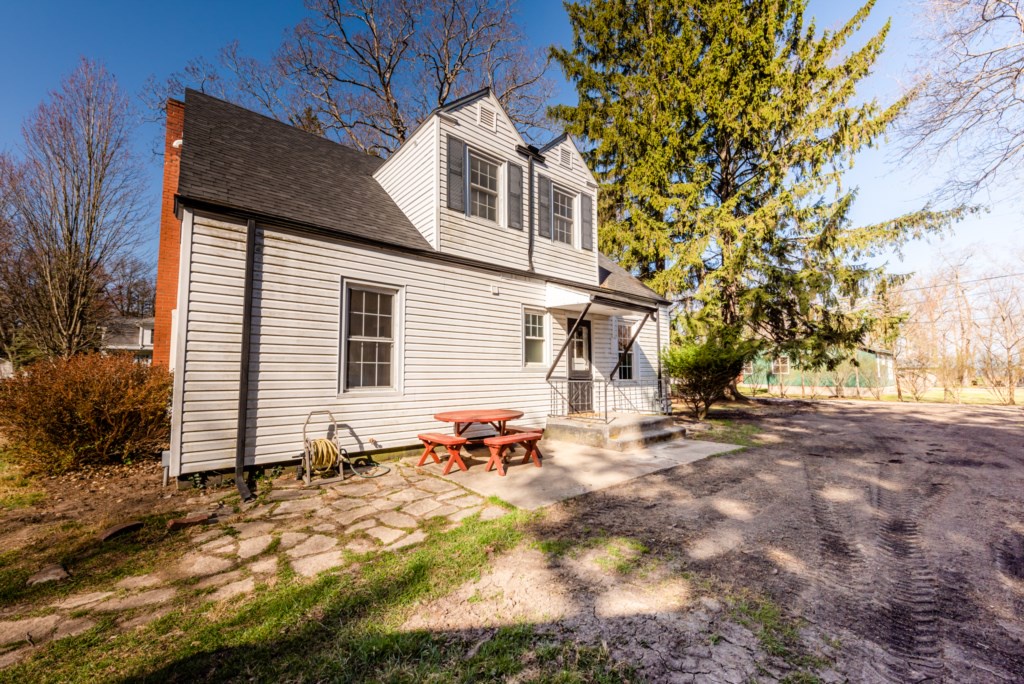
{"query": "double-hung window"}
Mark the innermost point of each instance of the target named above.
(483, 188)
(562, 216)
(533, 337)
(780, 365)
(624, 335)
(370, 337)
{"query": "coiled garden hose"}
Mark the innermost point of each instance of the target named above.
(323, 455)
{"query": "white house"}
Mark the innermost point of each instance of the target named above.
(306, 275)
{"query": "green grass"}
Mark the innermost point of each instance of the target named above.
(968, 395)
(728, 431)
(779, 637)
(936, 395)
(16, 490)
(343, 627)
(617, 554)
(15, 500)
(91, 563)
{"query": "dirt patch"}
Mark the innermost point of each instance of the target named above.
(882, 529)
(91, 498)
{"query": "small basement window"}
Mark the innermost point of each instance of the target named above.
(370, 340)
(483, 188)
(533, 337)
(562, 214)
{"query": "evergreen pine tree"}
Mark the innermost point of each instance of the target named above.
(720, 130)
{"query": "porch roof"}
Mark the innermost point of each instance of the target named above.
(567, 298)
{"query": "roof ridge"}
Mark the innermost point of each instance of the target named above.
(459, 101)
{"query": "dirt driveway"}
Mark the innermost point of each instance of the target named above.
(855, 541)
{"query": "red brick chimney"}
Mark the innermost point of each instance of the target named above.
(170, 237)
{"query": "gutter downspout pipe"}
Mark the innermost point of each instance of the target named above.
(243, 379)
(533, 155)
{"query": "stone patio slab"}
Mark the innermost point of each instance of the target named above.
(311, 566)
(570, 470)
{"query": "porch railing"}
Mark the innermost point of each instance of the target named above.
(595, 398)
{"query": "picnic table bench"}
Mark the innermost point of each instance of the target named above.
(450, 442)
(499, 443)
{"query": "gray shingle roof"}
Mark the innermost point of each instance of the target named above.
(236, 158)
(617, 279)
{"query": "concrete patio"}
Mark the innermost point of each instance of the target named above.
(570, 470)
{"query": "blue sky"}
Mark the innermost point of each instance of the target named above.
(41, 41)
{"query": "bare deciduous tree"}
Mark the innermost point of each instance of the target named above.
(76, 199)
(1001, 338)
(366, 72)
(132, 287)
(969, 93)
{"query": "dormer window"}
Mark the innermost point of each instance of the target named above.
(563, 220)
(483, 188)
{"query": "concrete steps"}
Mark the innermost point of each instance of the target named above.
(623, 432)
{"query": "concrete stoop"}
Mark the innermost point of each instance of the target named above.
(622, 432)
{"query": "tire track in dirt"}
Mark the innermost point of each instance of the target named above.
(843, 563)
(909, 591)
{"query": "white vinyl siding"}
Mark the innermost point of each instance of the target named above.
(410, 177)
(461, 345)
(481, 239)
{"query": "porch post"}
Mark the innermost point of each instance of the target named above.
(568, 339)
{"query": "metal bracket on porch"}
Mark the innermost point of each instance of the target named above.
(568, 340)
(611, 376)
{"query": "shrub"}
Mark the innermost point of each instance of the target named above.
(702, 371)
(61, 414)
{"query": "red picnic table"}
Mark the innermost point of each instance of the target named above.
(496, 418)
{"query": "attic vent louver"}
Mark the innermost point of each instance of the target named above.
(487, 118)
(566, 159)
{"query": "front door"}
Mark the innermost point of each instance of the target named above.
(581, 387)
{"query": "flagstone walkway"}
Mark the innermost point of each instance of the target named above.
(312, 530)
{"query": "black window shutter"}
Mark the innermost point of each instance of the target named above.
(456, 174)
(586, 221)
(544, 207)
(515, 196)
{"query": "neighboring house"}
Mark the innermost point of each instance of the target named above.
(452, 275)
(133, 335)
(875, 369)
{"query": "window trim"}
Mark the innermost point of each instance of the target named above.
(573, 200)
(625, 324)
(545, 327)
(396, 387)
(499, 202)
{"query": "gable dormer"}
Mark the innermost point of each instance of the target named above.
(464, 180)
